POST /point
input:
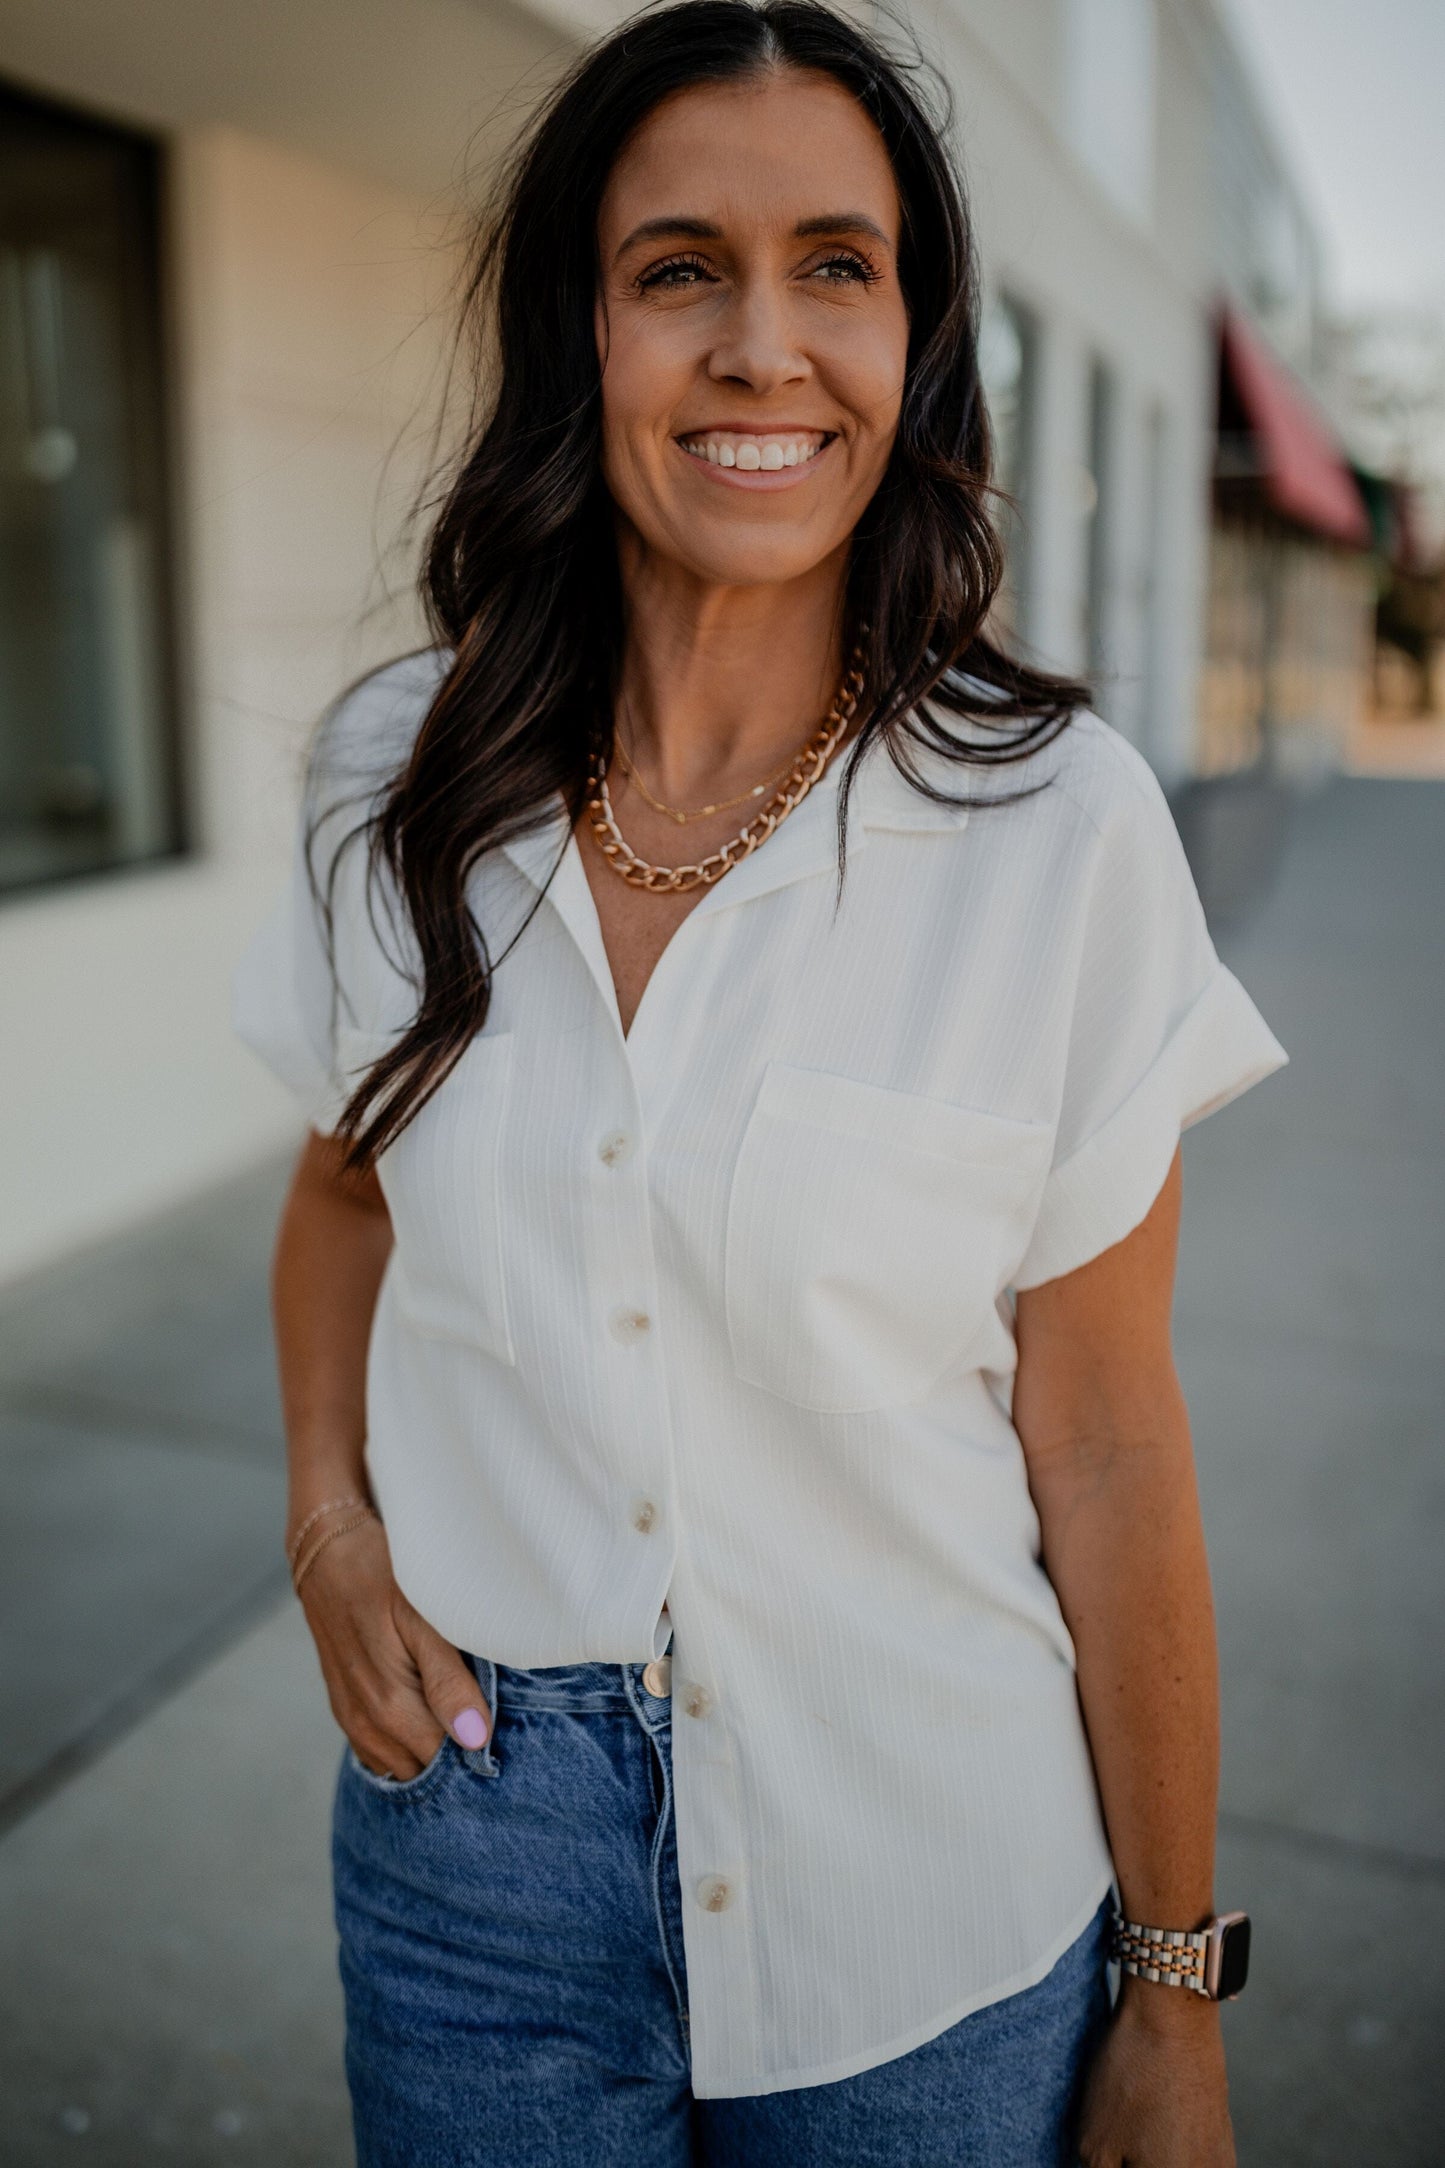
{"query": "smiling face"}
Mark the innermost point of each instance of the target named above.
(751, 327)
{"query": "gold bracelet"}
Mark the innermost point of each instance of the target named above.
(330, 1505)
(368, 1513)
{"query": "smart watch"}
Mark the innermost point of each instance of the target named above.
(1212, 1960)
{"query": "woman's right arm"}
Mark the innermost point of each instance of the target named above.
(395, 1685)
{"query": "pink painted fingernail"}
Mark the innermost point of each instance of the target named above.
(470, 1728)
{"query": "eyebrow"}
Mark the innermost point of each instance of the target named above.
(701, 229)
(841, 222)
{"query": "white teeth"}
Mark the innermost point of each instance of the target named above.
(750, 454)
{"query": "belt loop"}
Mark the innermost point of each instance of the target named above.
(480, 1760)
(653, 1711)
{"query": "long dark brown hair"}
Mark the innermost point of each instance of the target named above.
(521, 579)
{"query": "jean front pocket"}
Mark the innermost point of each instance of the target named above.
(870, 1235)
(449, 1757)
(420, 1786)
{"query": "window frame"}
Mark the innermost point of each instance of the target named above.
(148, 361)
(1015, 520)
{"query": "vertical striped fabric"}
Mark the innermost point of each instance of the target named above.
(717, 1317)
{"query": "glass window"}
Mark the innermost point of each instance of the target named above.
(87, 774)
(1008, 365)
(1098, 505)
(1154, 584)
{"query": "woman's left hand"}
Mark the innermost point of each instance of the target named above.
(1157, 2095)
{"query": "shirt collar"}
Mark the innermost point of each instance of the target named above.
(805, 845)
(887, 799)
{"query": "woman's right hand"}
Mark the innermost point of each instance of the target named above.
(394, 1684)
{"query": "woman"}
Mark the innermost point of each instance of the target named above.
(746, 1024)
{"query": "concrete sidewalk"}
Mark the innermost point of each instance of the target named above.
(168, 1991)
(1310, 1343)
(141, 1454)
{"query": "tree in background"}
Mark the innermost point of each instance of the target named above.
(1387, 375)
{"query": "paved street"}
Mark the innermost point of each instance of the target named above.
(165, 1750)
(1309, 1331)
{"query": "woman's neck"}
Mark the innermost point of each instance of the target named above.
(721, 685)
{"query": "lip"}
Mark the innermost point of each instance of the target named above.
(756, 478)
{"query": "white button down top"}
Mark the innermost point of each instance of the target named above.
(719, 1316)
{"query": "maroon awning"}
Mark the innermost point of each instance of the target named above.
(1301, 467)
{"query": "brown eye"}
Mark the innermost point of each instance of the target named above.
(845, 269)
(675, 275)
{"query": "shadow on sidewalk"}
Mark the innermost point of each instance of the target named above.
(142, 1463)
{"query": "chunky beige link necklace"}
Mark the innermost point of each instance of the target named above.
(796, 784)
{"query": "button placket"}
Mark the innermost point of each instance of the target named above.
(642, 1410)
(628, 1324)
(630, 1417)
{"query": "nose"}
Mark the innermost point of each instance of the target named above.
(755, 345)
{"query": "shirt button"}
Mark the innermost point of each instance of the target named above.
(714, 1894)
(615, 1148)
(657, 1677)
(629, 1325)
(697, 1700)
(644, 1516)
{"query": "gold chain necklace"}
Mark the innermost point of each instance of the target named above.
(676, 813)
(800, 778)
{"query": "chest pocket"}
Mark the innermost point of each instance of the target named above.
(869, 1235)
(440, 1183)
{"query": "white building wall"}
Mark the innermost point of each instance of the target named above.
(1131, 285)
(308, 339)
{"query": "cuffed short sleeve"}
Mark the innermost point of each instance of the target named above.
(316, 962)
(283, 998)
(1162, 1034)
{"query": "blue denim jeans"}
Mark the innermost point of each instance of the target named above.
(516, 1997)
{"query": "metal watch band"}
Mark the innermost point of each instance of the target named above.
(1212, 1960)
(1167, 1955)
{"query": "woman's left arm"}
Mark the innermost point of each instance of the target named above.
(1099, 1409)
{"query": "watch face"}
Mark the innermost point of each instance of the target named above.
(1233, 1958)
